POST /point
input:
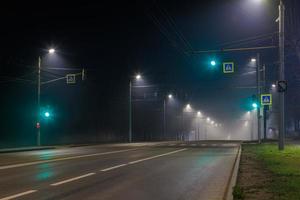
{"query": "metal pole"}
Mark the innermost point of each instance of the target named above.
(258, 96)
(38, 103)
(281, 76)
(130, 114)
(165, 122)
(264, 107)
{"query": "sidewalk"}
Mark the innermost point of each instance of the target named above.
(11, 150)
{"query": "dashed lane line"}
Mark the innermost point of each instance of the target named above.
(72, 179)
(62, 159)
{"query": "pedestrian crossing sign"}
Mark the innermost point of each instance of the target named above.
(228, 67)
(266, 99)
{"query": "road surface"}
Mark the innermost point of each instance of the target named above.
(134, 171)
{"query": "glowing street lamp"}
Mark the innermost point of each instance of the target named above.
(51, 51)
(138, 77)
(253, 60)
(199, 114)
(170, 96)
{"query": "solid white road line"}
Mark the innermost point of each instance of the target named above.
(114, 167)
(152, 157)
(72, 179)
(62, 159)
(18, 195)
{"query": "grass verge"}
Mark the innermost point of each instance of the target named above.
(272, 173)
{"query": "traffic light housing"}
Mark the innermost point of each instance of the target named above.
(254, 101)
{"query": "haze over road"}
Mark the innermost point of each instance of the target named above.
(136, 171)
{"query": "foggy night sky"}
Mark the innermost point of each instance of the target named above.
(114, 40)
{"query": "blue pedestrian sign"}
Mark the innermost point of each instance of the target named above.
(266, 99)
(228, 67)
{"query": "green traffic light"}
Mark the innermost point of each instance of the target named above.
(213, 63)
(254, 105)
(47, 114)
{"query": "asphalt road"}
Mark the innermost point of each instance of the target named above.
(137, 171)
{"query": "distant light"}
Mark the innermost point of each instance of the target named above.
(253, 59)
(51, 51)
(138, 77)
(47, 114)
(273, 85)
(248, 112)
(213, 63)
(257, 1)
(208, 119)
(212, 122)
(170, 96)
(254, 105)
(199, 114)
(188, 106)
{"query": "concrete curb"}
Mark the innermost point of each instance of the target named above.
(233, 178)
(12, 150)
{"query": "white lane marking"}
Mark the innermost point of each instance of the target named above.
(61, 159)
(72, 179)
(111, 168)
(152, 157)
(18, 195)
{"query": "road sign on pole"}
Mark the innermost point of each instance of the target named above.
(71, 78)
(228, 67)
(266, 99)
(281, 86)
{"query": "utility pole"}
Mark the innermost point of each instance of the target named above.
(165, 123)
(281, 77)
(38, 103)
(264, 107)
(258, 96)
(130, 114)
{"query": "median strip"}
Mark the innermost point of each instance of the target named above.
(72, 179)
(62, 159)
(18, 195)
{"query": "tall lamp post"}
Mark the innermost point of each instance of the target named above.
(281, 76)
(137, 77)
(38, 125)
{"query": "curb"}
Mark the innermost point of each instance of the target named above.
(233, 176)
(12, 150)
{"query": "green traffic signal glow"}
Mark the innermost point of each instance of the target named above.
(213, 63)
(47, 114)
(254, 105)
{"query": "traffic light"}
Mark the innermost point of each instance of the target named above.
(47, 114)
(254, 102)
(213, 63)
(254, 105)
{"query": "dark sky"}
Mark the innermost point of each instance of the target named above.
(114, 40)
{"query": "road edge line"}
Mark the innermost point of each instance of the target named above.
(18, 195)
(233, 176)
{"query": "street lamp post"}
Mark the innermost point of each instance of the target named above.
(137, 77)
(38, 126)
(38, 102)
(258, 92)
(281, 76)
(130, 114)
